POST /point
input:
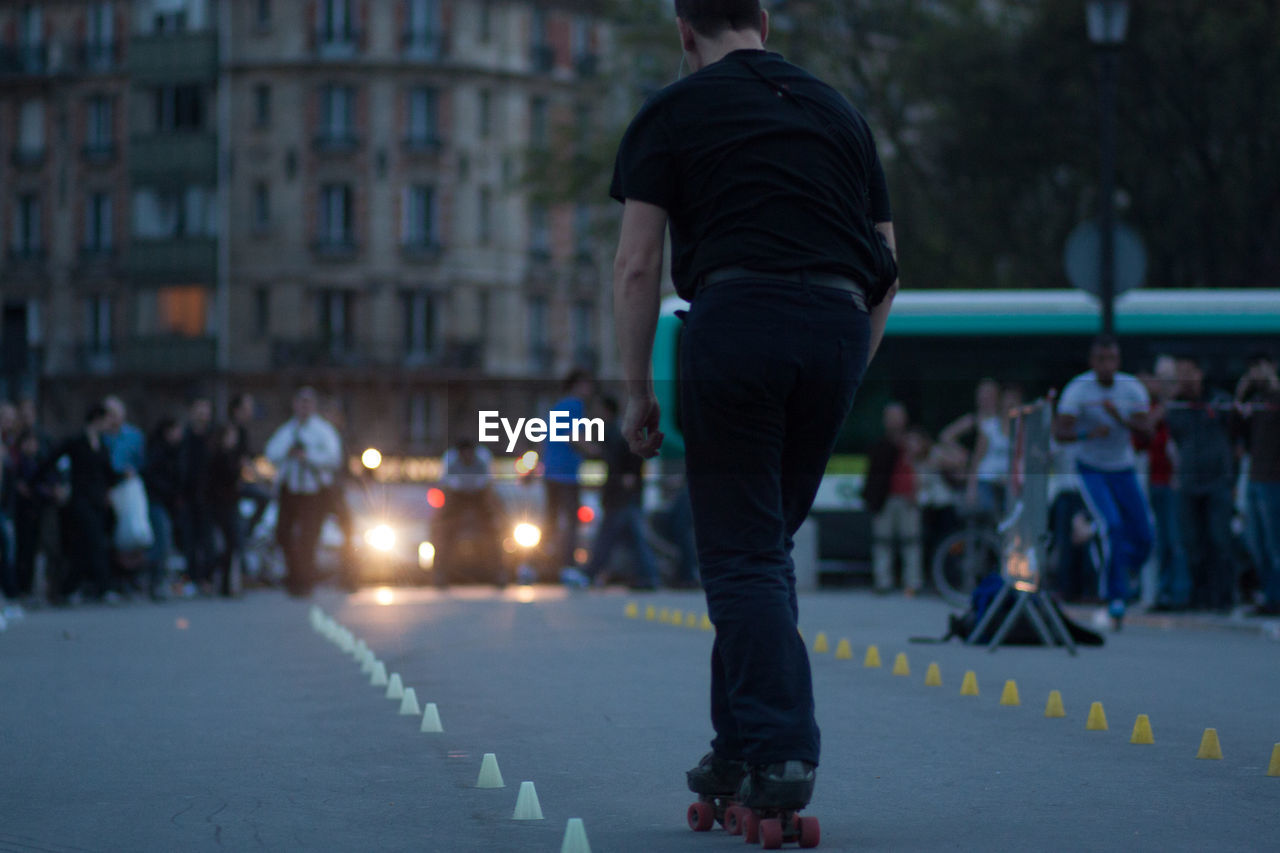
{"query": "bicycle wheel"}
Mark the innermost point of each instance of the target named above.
(961, 560)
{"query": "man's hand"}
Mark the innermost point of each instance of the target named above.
(640, 426)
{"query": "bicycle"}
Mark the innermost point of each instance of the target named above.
(965, 557)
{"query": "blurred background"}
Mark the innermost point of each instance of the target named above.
(403, 202)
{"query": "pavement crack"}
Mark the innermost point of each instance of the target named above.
(174, 820)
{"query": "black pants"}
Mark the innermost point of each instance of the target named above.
(1206, 531)
(226, 517)
(298, 532)
(27, 519)
(195, 534)
(85, 538)
(768, 374)
(562, 522)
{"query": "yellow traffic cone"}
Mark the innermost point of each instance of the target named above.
(1097, 721)
(664, 615)
(1053, 708)
(677, 618)
(933, 676)
(900, 666)
(872, 660)
(1209, 746)
(969, 687)
(844, 651)
(632, 610)
(1010, 694)
(1274, 768)
(1142, 731)
(650, 612)
(820, 645)
(706, 623)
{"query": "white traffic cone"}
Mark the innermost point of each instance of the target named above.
(490, 776)
(527, 806)
(431, 719)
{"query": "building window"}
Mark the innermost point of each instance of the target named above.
(99, 233)
(423, 26)
(420, 226)
(32, 50)
(97, 323)
(335, 216)
(424, 117)
(100, 44)
(31, 131)
(261, 207)
(262, 311)
(539, 124)
(540, 355)
(101, 126)
(485, 217)
(420, 314)
(485, 114)
(539, 230)
(337, 115)
(542, 54)
(262, 105)
(28, 230)
(336, 320)
(173, 214)
(179, 108)
(336, 30)
(182, 311)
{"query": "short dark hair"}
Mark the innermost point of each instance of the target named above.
(710, 18)
(1105, 341)
(96, 412)
(236, 402)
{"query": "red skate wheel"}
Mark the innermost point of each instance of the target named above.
(810, 832)
(701, 817)
(751, 827)
(771, 834)
(733, 820)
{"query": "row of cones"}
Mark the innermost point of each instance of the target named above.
(667, 616)
(1210, 748)
(527, 805)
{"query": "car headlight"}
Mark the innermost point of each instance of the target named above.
(426, 555)
(380, 537)
(527, 535)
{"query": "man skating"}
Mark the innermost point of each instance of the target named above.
(781, 238)
(1100, 410)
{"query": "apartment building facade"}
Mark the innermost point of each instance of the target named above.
(328, 192)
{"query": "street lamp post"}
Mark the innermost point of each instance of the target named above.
(1108, 22)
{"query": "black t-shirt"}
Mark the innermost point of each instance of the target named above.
(760, 165)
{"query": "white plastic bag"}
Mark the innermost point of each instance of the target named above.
(133, 523)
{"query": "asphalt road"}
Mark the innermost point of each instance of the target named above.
(213, 725)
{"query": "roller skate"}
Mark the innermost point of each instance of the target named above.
(767, 804)
(716, 781)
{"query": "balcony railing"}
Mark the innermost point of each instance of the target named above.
(425, 146)
(335, 142)
(166, 157)
(542, 58)
(28, 158)
(167, 354)
(161, 58)
(335, 248)
(337, 43)
(424, 46)
(321, 352)
(422, 251)
(189, 259)
(100, 153)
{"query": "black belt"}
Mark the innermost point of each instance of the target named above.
(831, 281)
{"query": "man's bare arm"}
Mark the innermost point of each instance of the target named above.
(880, 313)
(637, 282)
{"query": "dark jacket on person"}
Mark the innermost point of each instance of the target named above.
(623, 486)
(163, 475)
(879, 481)
(22, 470)
(1260, 428)
(224, 476)
(197, 457)
(92, 474)
(1201, 429)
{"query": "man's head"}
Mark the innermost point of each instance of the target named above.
(1190, 378)
(987, 397)
(304, 403)
(579, 383)
(240, 410)
(1262, 368)
(1163, 380)
(702, 22)
(1104, 358)
(95, 418)
(895, 419)
(115, 410)
(201, 414)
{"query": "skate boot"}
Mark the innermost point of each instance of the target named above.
(769, 798)
(716, 781)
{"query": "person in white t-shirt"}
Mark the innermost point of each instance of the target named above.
(1099, 411)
